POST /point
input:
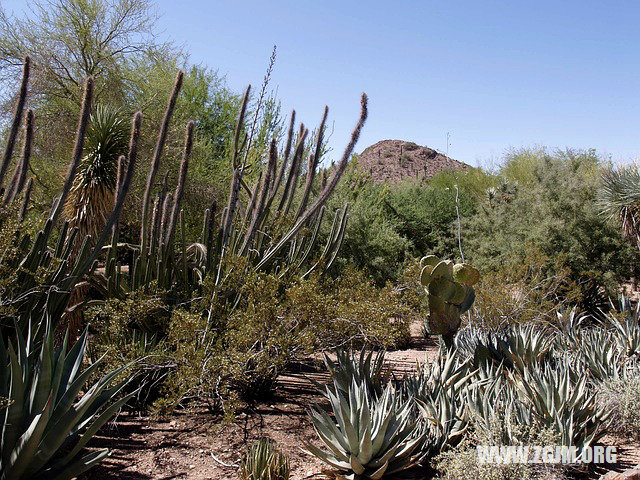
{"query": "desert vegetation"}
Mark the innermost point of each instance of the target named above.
(170, 247)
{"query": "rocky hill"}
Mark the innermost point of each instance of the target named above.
(393, 160)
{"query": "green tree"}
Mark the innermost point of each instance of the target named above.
(554, 211)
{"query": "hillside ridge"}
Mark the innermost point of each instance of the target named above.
(395, 160)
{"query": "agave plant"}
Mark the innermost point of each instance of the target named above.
(362, 368)
(46, 426)
(627, 333)
(494, 405)
(437, 389)
(597, 351)
(529, 343)
(264, 461)
(368, 438)
(560, 399)
(514, 346)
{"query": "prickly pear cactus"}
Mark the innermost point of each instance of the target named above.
(450, 293)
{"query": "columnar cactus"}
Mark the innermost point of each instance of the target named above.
(450, 293)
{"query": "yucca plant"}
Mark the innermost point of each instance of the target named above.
(48, 423)
(367, 438)
(46, 272)
(619, 198)
(91, 197)
(263, 461)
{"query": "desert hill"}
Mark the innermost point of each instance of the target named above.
(393, 160)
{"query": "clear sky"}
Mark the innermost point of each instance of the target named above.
(495, 74)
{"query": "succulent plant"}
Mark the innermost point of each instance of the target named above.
(47, 425)
(368, 438)
(513, 346)
(264, 461)
(46, 272)
(362, 368)
(437, 389)
(560, 399)
(450, 293)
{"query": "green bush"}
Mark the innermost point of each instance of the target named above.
(554, 212)
(238, 354)
(524, 290)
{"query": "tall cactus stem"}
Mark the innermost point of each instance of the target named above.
(313, 163)
(182, 180)
(266, 185)
(285, 158)
(17, 118)
(83, 123)
(155, 160)
(22, 167)
(325, 193)
(25, 200)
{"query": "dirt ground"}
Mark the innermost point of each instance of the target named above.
(192, 444)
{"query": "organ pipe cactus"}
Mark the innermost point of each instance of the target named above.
(256, 223)
(46, 272)
(450, 293)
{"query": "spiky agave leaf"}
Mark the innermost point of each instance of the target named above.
(437, 388)
(91, 197)
(560, 399)
(367, 437)
(48, 423)
(350, 366)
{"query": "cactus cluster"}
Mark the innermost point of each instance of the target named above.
(257, 223)
(46, 274)
(450, 293)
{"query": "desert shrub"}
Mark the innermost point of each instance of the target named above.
(461, 462)
(554, 211)
(239, 353)
(372, 240)
(622, 398)
(412, 291)
(133, 329)
(426, 215)
(524, 290)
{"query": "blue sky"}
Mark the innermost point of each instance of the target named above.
(495, 74)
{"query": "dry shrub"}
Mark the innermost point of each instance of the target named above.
(238, 355)
(525, 290)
